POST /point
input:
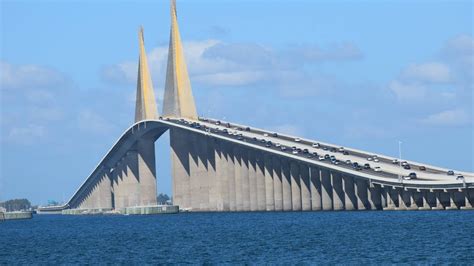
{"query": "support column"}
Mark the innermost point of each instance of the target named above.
(439, 205)
(194, 175)
(305, 188)
(220, 175)
(326, 194)
(261, 200)
(238, 178)
(383, 197)
(467, 200)
(253, 180)
(231, 176)
(452, 201)
(204, 177)
(374, 195)
(315, 186)
(245, 181)
(269, 196)
(401, 199)
(286, 185)
(424, 196)
(180, 171)
(412, 200)
(361, 193)
(211, 171)
(131, 183)
(277, 184)
(391, 199)
(337, 192)
(350, 200)
(295, 186)
(105, 191)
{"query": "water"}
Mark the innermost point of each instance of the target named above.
(309, 237)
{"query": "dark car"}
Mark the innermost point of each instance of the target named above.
(224, 130)
(275, 135)
(247, 129)
(333, 149)
(315, 153)
(412, 175)
(228, 125)
(325, 148)
(268, 144)
(366, 166)
(263, 141)
(345, 153)
(305, 151)
(255, 139)
(460, 177)
(450, 172)
(407, 166)
(327, 156)
(422, 168)
(218, 122)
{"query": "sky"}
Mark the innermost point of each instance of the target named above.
(363, 74)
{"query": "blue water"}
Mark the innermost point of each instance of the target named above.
(310, 237)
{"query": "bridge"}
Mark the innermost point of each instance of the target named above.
(223, 166)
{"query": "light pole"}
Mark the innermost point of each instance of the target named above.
(400, 160)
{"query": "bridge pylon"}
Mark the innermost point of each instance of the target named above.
(145, 106)
(178, 100)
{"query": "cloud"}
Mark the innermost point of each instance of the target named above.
(30, 77)
(336, 52)
(216, 63)
(433, 72)
(454, 117)
(91, 122)
(444, 82)
(122, 73)
(407, 91)
(26, 134)
(218, 31)
(460, 51)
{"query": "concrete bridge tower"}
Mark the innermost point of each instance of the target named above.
(178, 100)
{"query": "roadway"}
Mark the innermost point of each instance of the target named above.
(387, 169)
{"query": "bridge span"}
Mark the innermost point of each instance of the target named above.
(222, 166)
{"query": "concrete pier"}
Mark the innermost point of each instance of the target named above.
(326, 186)
(286, 185)
(277, 184)
(337, 192)
(269, 186)
(305, 188)
(315, 185)
(295, 186)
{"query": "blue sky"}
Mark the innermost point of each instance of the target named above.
(362, 74)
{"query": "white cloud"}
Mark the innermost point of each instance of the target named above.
(91, 122)
(26, 134)
(215, 63)
(407, 91)
(454, 117)
(335, 52)
(434, 72)
(460, 51)
(29, 77)
(238, 78)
